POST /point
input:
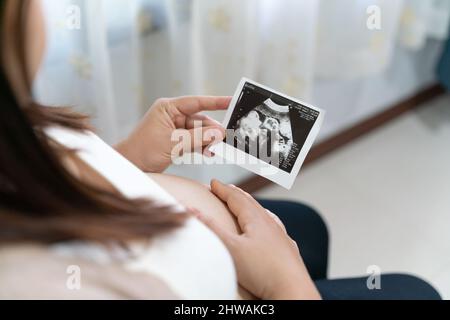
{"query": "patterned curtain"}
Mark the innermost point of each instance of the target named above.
(125, 54)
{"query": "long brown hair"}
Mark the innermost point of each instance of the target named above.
(40, 201)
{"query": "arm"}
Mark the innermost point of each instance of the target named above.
(267, 259)
(195, 195)
(151, 145)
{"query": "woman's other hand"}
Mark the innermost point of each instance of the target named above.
(267, 260)
(151, 145)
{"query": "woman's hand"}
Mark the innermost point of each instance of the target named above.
(151, 146)
(267, 260)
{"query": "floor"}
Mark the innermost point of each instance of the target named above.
(386, 198)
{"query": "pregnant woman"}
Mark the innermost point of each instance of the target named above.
(82, 220)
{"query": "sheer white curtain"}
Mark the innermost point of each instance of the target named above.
(423, 19)
(96, 67)
(128, 53)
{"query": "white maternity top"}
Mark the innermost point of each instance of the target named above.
(192, 260)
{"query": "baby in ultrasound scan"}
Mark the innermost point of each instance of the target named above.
(268, 117)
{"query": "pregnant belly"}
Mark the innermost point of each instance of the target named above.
(193, 194)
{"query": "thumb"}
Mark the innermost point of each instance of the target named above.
(204, 136)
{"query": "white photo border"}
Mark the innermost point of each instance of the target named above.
(257, 166)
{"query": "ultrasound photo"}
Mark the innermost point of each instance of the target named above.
(270, 126)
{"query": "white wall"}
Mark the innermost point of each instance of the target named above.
(348, 102)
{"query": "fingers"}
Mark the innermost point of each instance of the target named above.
(277, 220)
(209, 137)
(192, 105)
(202, 137)
(201, 120)
(239, 203)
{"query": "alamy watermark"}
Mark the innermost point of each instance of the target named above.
(73, 282)
(374, 279)
(374, 18)
(72, 19)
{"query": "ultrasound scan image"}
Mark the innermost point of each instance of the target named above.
(266, 122)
